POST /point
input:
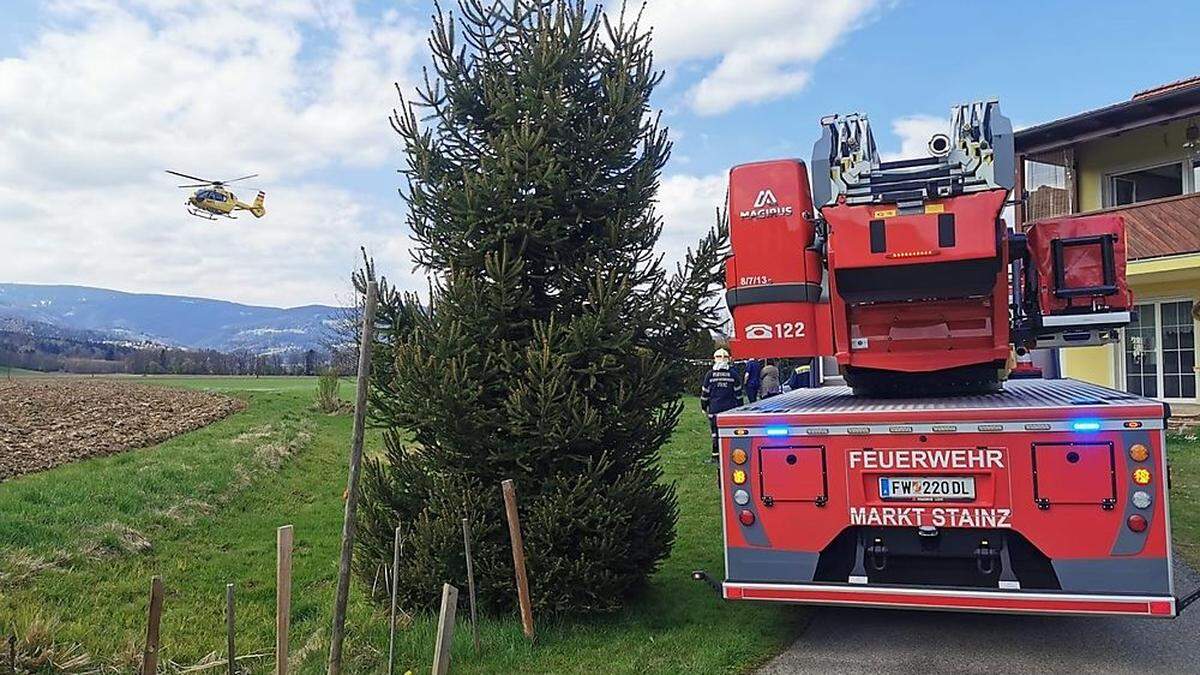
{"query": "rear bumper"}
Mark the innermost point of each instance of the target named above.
(1016, 602)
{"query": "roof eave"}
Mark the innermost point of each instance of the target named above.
(1113, 119)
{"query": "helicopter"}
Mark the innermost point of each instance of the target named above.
(213, 199)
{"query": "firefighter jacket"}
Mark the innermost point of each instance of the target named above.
(801, 377)
(720, 391)
(753, 374)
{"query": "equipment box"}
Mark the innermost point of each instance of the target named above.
(1079, 264)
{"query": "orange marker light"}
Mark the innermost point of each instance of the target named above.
(911, 254)
(739, 477)
(1141, 476)
(738, 456)
(1139, 453)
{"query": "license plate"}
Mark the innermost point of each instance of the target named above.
(927, 488)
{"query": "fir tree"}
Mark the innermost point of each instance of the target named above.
(552, 349)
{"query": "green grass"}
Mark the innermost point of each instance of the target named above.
(75, 554)
(208, 503)
(6, 372)
(1184, 458)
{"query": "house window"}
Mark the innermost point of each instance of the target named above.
(1048, 184)
(1160, 351)
(1144, 185)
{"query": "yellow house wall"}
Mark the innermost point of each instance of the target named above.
(1093, 364)
(1140, 148)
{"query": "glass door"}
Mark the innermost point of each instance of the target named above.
(1141, 353)
(1160, 351)
(1179, 350)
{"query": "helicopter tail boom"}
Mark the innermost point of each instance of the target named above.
(257, 208)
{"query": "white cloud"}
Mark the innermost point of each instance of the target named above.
(301, 253)
(752, 50)
(688, 206)
(113, 93)
(914, 132)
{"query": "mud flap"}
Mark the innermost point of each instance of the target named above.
(1008, 579)
(858, 575)
(701, 575)
(1182, 603)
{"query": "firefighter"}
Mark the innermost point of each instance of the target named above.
(720, 391)
(753, 379)
(801, 377)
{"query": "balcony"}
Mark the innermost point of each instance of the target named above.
(1160, 227)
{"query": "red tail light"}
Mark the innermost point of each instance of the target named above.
(747, 517)
(1136, 523)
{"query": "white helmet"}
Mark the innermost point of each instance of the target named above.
(721, 360)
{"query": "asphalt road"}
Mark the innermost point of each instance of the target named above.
(844, 640)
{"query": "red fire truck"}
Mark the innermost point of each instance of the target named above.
(931, 480)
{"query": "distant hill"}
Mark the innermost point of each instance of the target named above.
(170, 320)
(45, 347)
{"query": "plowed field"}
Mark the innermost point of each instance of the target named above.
(48, 422)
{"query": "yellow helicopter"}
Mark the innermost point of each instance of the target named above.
(213, 199)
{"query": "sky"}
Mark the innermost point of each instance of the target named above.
(98, 97)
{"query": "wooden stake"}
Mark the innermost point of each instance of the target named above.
(231, 651)
(470, 581)
(518, 551)
(283, 596)
(392, 614)
(150, 655)
(445, 633)
(356, 451)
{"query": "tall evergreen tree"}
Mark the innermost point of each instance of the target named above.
(552, 349)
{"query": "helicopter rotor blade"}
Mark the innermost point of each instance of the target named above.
(184, 175)
(194, 185)
(226, 182)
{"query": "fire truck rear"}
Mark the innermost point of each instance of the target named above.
(931, 481)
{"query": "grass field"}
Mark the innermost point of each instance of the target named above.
(5, 371)
(83, 540)
(1184, 458)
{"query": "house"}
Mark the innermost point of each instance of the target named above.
(1139, 158)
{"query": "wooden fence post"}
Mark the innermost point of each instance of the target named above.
(154, 617)
(283, 596)
(445, 633)
(392, 613)
(518, 551)
(470, 581)
(230, 649)
(356, 450)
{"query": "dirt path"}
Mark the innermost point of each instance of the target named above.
(48, 422)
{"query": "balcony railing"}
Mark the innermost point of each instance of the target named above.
(1161, 227)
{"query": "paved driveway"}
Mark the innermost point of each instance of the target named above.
(843, 640)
